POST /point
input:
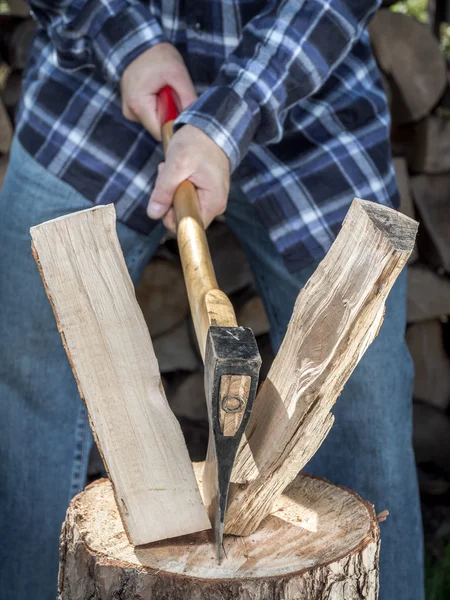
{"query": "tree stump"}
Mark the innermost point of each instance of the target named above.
(321, 541)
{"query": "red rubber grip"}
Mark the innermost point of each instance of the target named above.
(167, 108)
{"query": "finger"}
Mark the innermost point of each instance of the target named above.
(147, 114)
(167, 181)
(184, 91)
(209, 208)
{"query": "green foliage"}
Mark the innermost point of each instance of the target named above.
(418, 9)
(438, 577)
(413, 8)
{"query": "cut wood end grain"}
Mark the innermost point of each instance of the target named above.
(398, 228)
(320, 540)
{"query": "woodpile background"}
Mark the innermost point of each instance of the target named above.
(417, 82)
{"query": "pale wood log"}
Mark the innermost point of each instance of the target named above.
(431, 363)
(161, 293)
(428, 294)
(320, 543)
(431, 195)
(111, 354)
(6, 130)
(336, 317)
(410, 56)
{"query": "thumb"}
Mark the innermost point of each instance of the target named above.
(165, 186)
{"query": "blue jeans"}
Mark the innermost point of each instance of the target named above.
(44, 434)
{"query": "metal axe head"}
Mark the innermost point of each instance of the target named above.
(232, 364)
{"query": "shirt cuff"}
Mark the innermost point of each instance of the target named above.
(229, 120)
(123, 37)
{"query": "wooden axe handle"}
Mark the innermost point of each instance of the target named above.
(209, 305)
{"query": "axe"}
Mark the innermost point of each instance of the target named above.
(230, 353)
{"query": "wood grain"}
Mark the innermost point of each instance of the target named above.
(233, 396)
(321, 541)
(111, 354)
(337, 315)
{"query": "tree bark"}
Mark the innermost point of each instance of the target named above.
(320, 542)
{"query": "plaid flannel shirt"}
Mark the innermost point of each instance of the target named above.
(288, 89)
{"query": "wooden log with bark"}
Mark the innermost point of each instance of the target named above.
(411, 59)
(428, 294)
(429, 151)
(321, 542)
(431, 196)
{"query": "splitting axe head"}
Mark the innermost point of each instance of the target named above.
(230, 353)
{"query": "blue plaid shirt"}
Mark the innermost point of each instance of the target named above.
(289, 90)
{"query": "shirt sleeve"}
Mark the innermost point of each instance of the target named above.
(101, 34)
(286, 53)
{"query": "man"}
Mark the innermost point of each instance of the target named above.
(284, 96)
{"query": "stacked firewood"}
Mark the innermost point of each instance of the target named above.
(416, 78)
(16, 33)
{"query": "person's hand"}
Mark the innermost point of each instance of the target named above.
(143, 78)
(192, 155)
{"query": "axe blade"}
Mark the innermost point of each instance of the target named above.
(232, 364)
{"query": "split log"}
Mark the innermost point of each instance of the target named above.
(320, 543)
(431, 363)
(431, 196)
(112, 358)
(430, 151)
(6, 130)
(428, 294)
(161, 293)
(176, 350)
(411, 57)
(337, 315)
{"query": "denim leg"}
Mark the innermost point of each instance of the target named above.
(44, 434)
(369, 448)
